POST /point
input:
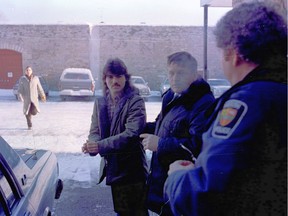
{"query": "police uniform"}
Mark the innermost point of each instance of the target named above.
(242, 167)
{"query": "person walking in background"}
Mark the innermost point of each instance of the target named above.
(242, 167)
(176, 133)
(28, 92)
(117, 121)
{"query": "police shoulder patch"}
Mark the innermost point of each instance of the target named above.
(229, 118)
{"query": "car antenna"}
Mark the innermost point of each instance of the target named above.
(34, 155)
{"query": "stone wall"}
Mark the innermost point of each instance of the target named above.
(48, 48)
(51, 48)
(144, 49)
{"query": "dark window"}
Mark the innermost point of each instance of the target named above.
(78, 76)
(138, 81)
(8, 198)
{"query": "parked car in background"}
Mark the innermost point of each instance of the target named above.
(43, 82)
(219, 86)
(164, 86)
(76, 82)
(142, 85)
(29, 181)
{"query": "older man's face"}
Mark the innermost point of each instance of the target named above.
(180, 77)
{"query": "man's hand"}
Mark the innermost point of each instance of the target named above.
(90, 147)
(150, 141)
(180, 165)
(43, 98)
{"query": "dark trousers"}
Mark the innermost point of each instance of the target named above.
(32, 111)
(129, 199)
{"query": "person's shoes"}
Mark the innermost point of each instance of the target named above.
(29, 128)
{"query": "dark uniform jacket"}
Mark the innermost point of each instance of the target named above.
(242, 168)
(179, 126)
(119, 143)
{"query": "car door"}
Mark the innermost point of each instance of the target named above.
(11, 195)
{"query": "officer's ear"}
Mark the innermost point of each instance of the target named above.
(231, 55)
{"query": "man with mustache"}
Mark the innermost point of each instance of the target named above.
(117, 121)
(176, 133)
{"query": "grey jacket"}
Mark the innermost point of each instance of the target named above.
(119, 143)
(29, 91)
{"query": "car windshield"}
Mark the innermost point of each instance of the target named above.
(79, 76)
(219, 82)
(137, 81)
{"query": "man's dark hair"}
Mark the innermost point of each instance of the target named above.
(116, 67)
(183, 59)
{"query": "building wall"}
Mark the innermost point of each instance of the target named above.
(144, 49)
(48, 48)
(51, 48)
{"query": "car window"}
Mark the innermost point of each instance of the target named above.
(7, 197)
(138, 81)
(11, 156)
(78, 76)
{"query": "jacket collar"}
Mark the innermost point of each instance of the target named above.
(195, 91)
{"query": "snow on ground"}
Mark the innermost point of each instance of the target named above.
(61, 127)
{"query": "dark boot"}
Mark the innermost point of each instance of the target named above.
(29, 121)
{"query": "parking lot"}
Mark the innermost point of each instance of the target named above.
(62, 127)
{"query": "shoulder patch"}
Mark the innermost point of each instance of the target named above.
(229, 118)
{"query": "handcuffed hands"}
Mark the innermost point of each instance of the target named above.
(90, 147)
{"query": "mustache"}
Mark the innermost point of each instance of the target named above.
(116, 84)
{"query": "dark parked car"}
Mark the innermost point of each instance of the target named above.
(219, 86)
(43, 82)
(142, 85)
(29, 181)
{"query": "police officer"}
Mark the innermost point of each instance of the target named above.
(242, 167)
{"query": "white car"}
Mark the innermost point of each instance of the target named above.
(219, 86)
(76, 82)
(142, 85)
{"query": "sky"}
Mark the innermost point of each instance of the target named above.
(111, 12)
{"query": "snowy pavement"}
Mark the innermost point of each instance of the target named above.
(61, 127)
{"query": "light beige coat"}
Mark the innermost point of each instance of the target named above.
(28, 92)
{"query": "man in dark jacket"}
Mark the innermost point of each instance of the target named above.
(117, 121)
(242, 167)
(178, 128)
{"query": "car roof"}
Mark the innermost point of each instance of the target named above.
(137, 77)
(77, 70)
